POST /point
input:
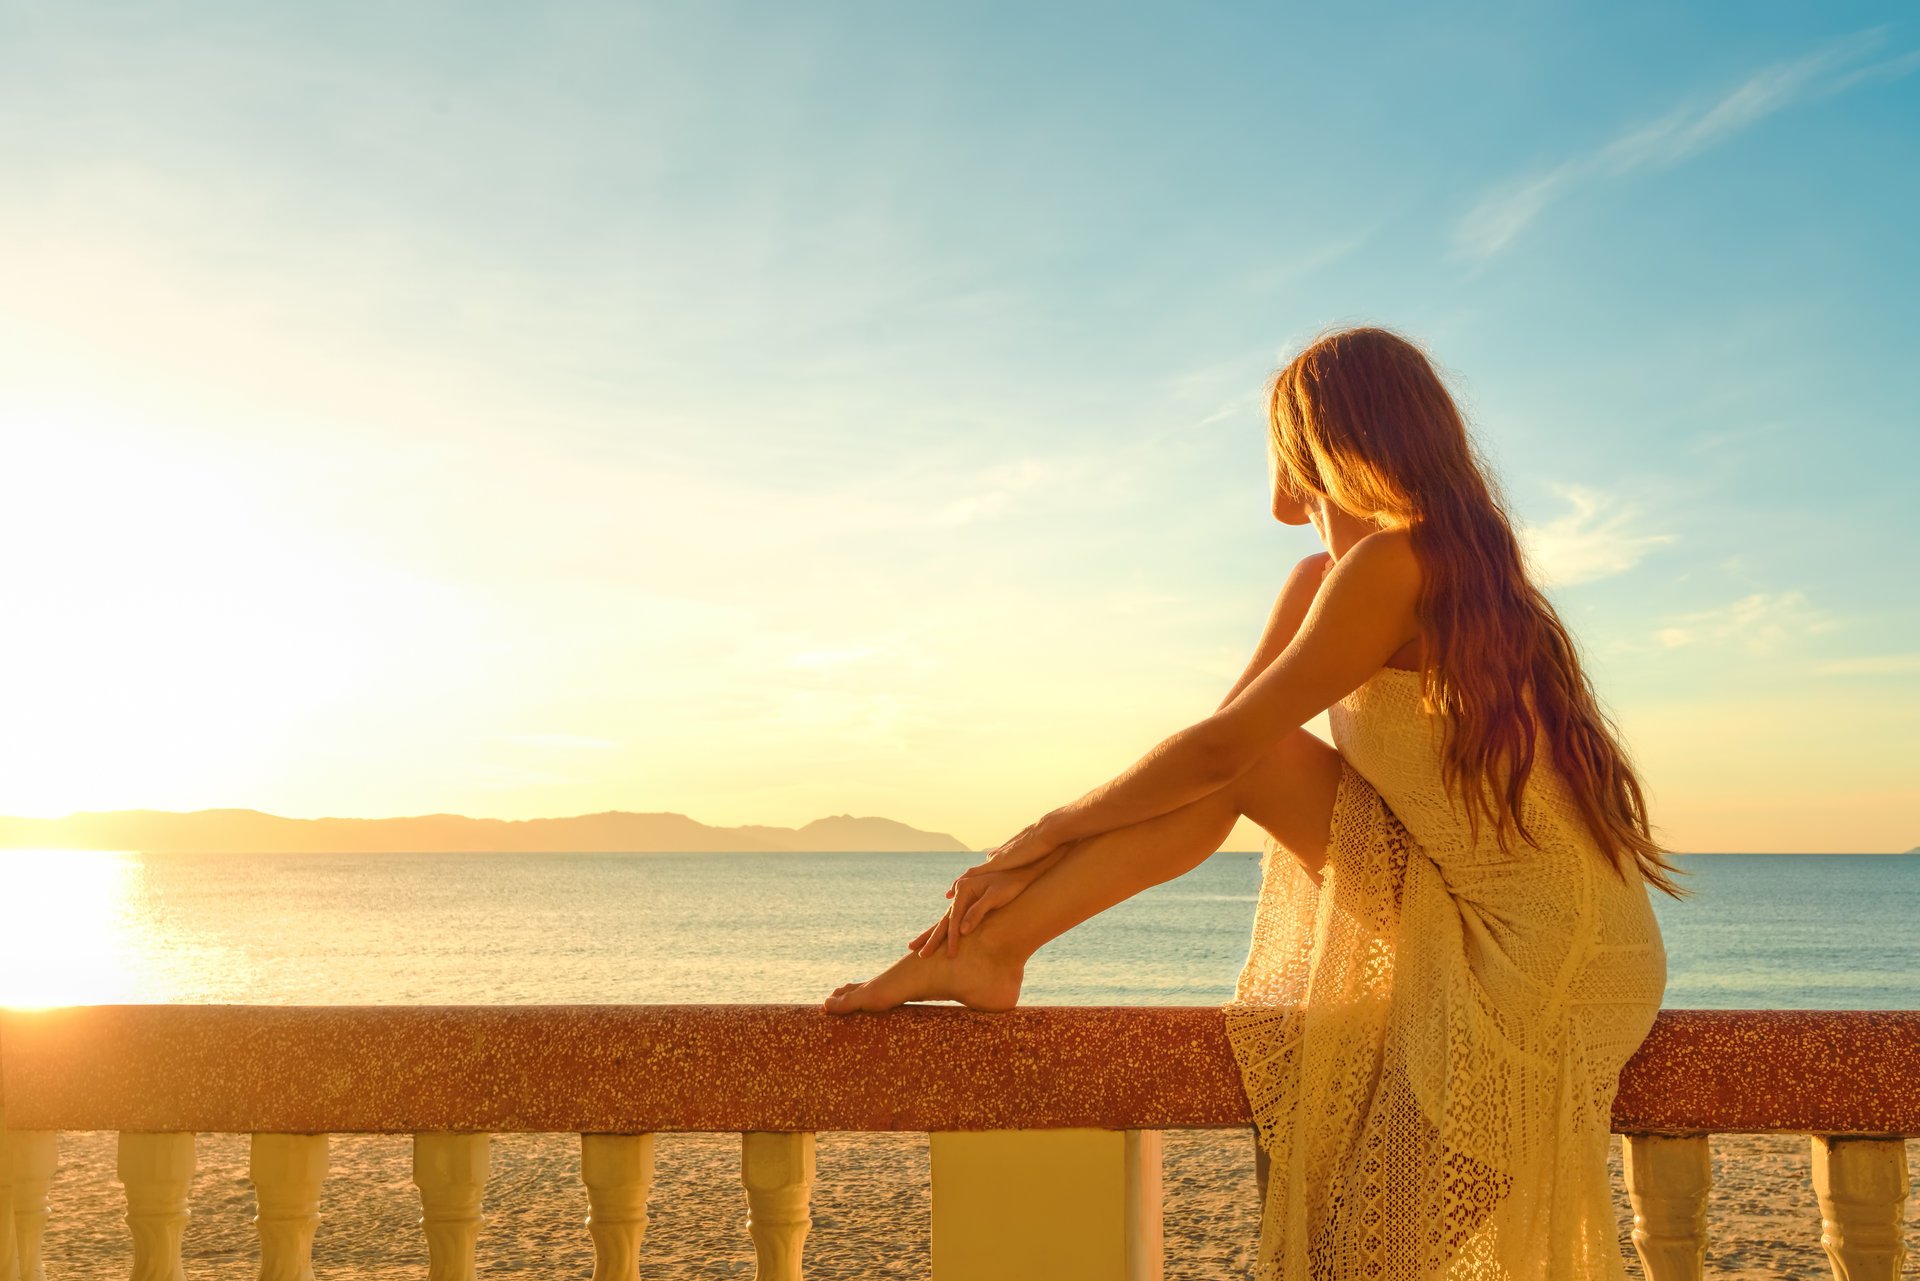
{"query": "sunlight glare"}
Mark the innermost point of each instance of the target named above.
(69, 932)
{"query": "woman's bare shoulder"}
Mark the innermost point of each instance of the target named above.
(1384, 557)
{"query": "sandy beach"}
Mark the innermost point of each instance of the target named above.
(870, 1209)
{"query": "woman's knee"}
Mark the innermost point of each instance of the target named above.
(1299, 759)
(1290, 792)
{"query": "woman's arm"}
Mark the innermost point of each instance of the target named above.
(1362, 614)
(1289, 611)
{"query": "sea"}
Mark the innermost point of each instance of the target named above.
(1828, 931)
(1832, 931)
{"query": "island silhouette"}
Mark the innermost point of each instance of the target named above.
(615, 831)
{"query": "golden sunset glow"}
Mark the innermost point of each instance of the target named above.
(71, 937)
(415, 489)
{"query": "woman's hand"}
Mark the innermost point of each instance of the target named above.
(973, 897)
(976, 892)
(1030, 844)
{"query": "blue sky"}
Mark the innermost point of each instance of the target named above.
(768, 411)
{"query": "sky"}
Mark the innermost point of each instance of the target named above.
(763, 412)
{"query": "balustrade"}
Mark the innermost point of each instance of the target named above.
(1045, 1123)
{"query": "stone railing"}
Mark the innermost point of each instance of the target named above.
(1044, 1122)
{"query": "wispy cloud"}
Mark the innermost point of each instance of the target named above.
(1006, 487)
(1594, 540)
(1718, 440)
(1759, 623)
(1878, 72)
(1875, 665)
(993, 492)
(820, 660)
(1509, 208)
(566, 741)
(1314, 258)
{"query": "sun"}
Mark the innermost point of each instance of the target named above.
(72, 932)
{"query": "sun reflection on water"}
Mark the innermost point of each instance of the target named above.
(70, 931)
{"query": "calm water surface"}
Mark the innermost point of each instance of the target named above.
(1789, 931)
(1783, 931)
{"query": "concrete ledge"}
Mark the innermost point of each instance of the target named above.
(638, 1069)
(1774, 1071)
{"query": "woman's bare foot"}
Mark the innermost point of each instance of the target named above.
(980, 976)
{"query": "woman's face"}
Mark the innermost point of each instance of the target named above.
(1289, 508)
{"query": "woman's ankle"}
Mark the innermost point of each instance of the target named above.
(1000, 941)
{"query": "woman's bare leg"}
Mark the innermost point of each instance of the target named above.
(1290, 793)
(1090, 878)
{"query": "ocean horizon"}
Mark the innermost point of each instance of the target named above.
(1832, 931)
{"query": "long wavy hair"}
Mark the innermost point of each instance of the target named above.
(1361, 419)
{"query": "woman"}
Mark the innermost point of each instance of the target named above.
(1454, 952)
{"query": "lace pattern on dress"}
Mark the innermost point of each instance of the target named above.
(1425, 1059)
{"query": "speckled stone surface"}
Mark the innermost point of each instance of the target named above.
(1758, 1071)
(634, 1069)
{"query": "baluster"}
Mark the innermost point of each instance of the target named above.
(30, 1158)
(287, 1171)
(1862, 1188)
(618, 1172)
(451, 1172)
(157, 1170)
(1667, 1181)
(9, 1260)
(777, 1170)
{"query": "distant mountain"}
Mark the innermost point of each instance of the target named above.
(163, 831)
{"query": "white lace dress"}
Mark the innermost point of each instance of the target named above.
(1431, 1039)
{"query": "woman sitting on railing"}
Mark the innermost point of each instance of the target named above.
(1453, 953)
